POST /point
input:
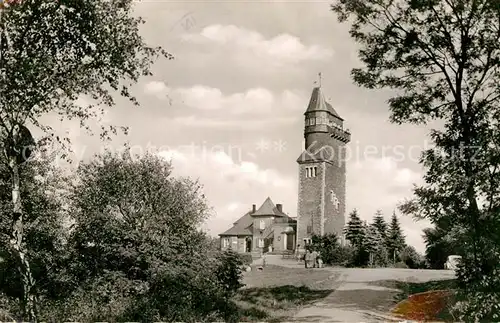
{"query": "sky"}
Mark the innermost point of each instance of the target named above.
(228, 110)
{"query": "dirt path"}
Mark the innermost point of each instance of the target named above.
(356, 296)
(357, 299)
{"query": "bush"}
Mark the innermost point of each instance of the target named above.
(479, 298)
(345, 256)
(246, 259)
(400, 265)
(411, 257)
(381, 258)
(328, 246)
(228, 272)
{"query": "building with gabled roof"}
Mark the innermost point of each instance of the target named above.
(267, 228)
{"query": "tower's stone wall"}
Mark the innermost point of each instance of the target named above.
(322, 198)
(309, 202)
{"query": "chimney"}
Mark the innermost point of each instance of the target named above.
(254, 208)
(279, 207)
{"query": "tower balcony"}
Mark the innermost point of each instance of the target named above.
(340, 134)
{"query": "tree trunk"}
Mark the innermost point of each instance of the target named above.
(29, 297)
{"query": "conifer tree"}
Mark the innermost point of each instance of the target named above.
(354, 230)
(376, 246)
(395, 238)
(380, 224)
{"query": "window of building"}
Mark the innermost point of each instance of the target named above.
(261, 243)
(262, 224)
(311, 171)
(309, 229)
(312, 121)
(225, 242)
(307, 241)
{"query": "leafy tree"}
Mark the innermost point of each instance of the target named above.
(355, 231)
(411, 257)
(443, 59)
(439, 244)
(44, 232)
(395, 238)
(51, 52)
(136, 248)
(380, 224)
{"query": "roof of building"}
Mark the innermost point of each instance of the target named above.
(244, 225)
(318, 103)
(326, 153)
(268, 208)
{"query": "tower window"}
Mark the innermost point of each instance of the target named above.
(311, 171)
(262, 224)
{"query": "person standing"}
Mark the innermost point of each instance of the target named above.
(314, 257)
(307, 258)
(320, 261)
(297, 254)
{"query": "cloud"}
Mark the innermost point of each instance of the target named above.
(282, 49)
(381, 183)
(230, 123)
(227, 177)
(233, 206)
(209, 107)
(385, 170)
(155, 87)
(252, 101)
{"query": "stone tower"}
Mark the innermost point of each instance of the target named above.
(322, 171)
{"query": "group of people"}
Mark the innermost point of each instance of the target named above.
(312, 259)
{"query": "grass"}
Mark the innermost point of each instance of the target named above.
(281, 276)
(276, 293)
(433, 298)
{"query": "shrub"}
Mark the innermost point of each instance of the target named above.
(400, 265)
(332, 253)
(246, 259)
(345, 256)
(381, 258)
(228, 272)
(478, 299)
(411, 257)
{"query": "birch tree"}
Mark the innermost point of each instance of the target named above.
(52, 52)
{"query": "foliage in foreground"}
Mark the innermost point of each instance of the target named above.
(133, 252)
(441, 58)
(53, 53)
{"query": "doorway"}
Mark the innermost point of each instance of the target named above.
(248, 245)
(289, 241)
